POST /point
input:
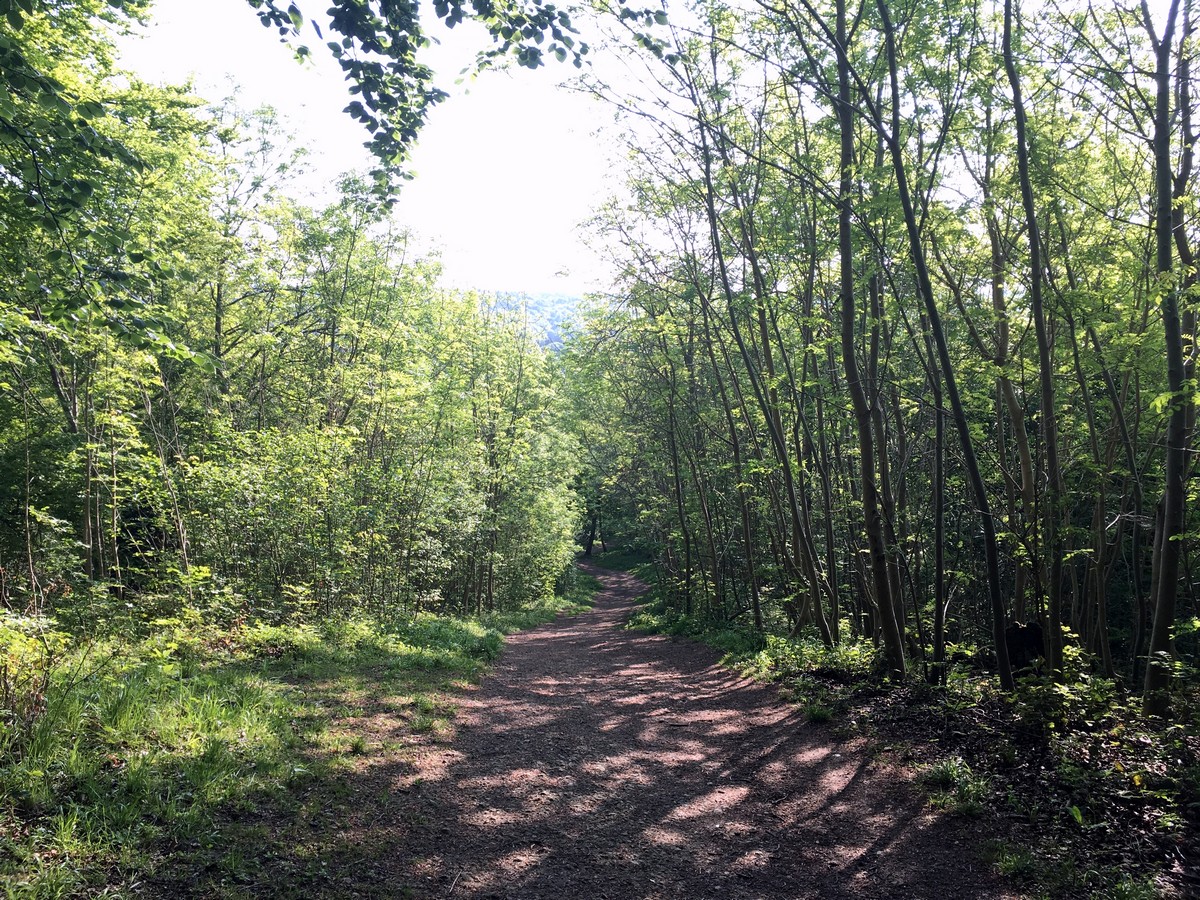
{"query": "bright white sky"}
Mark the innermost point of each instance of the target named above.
(507, 168)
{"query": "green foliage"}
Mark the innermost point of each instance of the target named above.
(258, 441)
(818, 713)
(821, 678)
(140, 749)
(575, 599)
(1013, 861)
(1046, 704)
(32, 651)
(952, 785)
(1089, 775)
(626, 559)
(124, 748)
(1046, 878)
(657, 618)
(216, 393)
(784, 658)
(376, 46)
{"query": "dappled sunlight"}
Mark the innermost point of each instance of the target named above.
(629, 768)
(667, 837)
(753, 859)
(837, 775)
(527, 713)
(491, 817)
(716, 801)
(507, 868)
(598, 762)
(587, 804)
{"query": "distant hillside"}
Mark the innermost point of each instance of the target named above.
(548, 312)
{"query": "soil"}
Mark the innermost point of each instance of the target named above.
(597, 762)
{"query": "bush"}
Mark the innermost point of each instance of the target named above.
(31, 648)
(953, 786)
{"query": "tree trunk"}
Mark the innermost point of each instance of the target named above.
(885, 603)
(1054, 506)
(925, 286)
(1155, 698)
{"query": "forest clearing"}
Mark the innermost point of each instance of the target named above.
(890, 408)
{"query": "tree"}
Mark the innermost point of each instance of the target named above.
(1170, 534)
(376, 43)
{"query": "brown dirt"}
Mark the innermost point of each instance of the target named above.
(596, 762)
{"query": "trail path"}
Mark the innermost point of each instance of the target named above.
(596, 762)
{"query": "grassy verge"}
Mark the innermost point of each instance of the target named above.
(1088, 797)
(189, 760)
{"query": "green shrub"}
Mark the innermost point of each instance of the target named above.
(31, 649)
(276, 641)
(818, 713)
(953, 786)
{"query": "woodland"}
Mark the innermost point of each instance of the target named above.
(893, 399)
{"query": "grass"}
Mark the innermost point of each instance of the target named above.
(175, 757)
(1013, 861)
(817, 713)
(1045, 878)
(574, 597)
(738, 643)
(821, 679)
(953, 786)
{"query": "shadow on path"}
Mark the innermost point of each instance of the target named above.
(596, 762)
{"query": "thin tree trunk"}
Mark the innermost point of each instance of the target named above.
(736, 444)
(970, 460)
(1054, 506)
(889, 619)
(1156, 700)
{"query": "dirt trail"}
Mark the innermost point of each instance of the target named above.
(596, 762)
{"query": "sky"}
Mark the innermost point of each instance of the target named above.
(506, 169)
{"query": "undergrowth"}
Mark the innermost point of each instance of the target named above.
(1101, 801)
(953, 786)
(117, 752)
(821, 679)
(626, 559)
(1105, 800)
